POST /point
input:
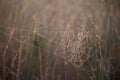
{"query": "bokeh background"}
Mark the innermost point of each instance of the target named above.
(59, 40)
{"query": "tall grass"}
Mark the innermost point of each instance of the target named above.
(56, 40)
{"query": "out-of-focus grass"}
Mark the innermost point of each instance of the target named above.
(56, 40)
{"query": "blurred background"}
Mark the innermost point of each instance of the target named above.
(59, 40)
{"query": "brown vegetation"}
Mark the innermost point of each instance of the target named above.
(59, 40)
